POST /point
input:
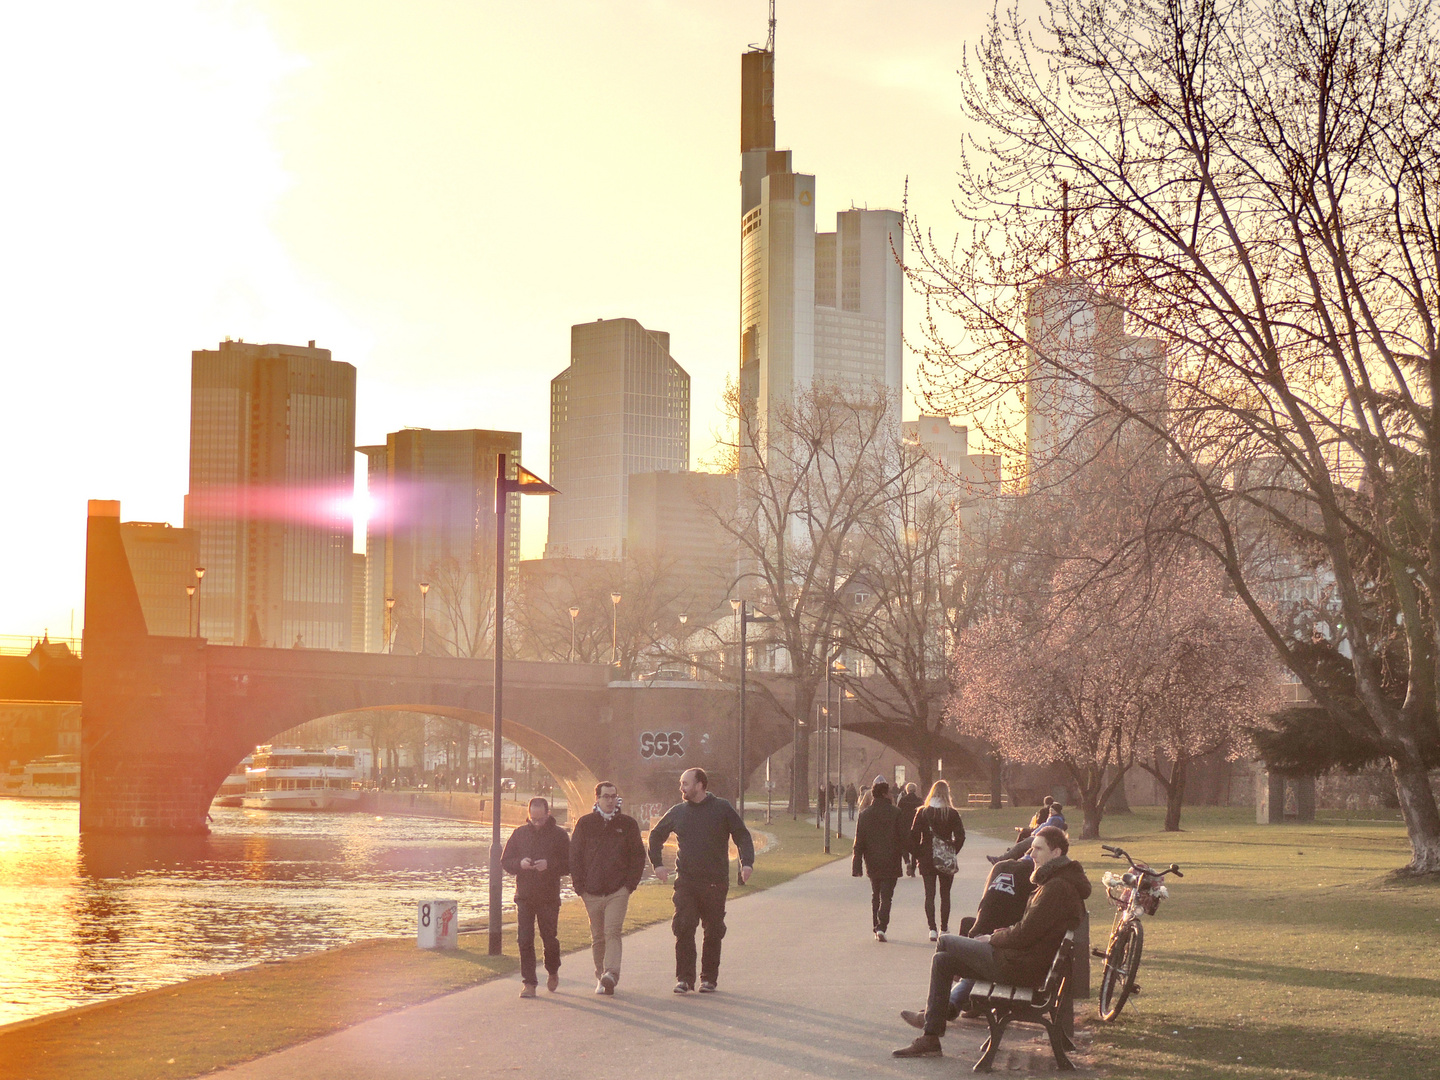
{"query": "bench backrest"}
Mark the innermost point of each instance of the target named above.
(1060, 967)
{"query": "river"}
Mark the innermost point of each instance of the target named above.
(83, 919)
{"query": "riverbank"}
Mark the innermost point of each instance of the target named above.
(460, 805)
(195, 1027)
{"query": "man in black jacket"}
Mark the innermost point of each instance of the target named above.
(607, 860)
(908, 803)
(879, 845)
(704, 824)
(538, 854)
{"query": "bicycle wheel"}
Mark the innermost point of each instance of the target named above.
(1122, 964)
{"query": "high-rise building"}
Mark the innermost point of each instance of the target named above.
(675, 519)
(163, 561)
(433, 522)
(621, 407)
(814, 307)
(272, 465)
(970, 481)
(1078, 351)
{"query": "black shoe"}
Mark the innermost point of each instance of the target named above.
(923, 1046)
(914, 1019)
(707, 986)
(683, 987)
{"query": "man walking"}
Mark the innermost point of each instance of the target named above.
(908, 803)
(538, 854)
(607, 860)
(878, 847)
(704, 824)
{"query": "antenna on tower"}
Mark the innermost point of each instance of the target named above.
(770, 41)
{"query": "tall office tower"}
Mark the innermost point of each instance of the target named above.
(358, 575)
(825, 307)
(272, 465)
(1077, 346)
(674, 519)
(433, 522)
(969, 481)
(621, 407)
(163, 561)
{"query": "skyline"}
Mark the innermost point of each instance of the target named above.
(343, 180)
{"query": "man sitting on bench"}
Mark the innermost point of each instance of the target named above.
(1018, 955)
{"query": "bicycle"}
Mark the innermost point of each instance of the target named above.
(1137, 891)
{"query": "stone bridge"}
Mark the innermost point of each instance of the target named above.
(164, 719)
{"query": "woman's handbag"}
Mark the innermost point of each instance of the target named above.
(943, 856)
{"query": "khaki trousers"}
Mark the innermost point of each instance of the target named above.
(607, 920)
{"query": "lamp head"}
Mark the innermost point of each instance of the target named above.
(389, 603)
(424, 587)
(615, 598)
(199, 573)
(574, 613)
(189, 590)
(684, 618)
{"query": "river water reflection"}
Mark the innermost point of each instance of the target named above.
(85, 919)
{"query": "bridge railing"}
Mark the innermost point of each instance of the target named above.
(23, 644)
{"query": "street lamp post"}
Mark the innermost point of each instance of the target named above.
(389, 624)
(614, 629)
(746, 617)
(840, 669)
(684, 618)
(190, 611)
(199, 577)
(424, 592)
(525, 483)
(574, 614)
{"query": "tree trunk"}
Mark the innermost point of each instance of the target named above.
(1422, 819)
(1119, 802)
(997, 780)
(1091, 782)
(1175, 794)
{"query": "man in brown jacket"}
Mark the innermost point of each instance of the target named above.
(1019, 955)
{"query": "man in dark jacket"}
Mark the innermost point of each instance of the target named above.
(538, 854)
(879, 846)
(908, 803)
(607, 860)
(1018, 955)
(704, 824)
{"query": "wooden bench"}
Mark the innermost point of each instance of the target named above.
(1005, 1005)
(982, 798)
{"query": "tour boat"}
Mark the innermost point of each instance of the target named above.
(232, 789)
(54, 777)
(292, 778)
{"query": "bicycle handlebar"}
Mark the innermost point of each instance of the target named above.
(1121, 853)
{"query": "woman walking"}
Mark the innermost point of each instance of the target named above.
(936, 836)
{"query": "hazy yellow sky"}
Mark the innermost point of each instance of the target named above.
(434, 190)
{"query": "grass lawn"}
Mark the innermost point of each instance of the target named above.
(1286, 951)
(194, 1027)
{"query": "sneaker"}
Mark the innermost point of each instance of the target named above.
(707, 986)
(599, 987)
(879, 935)
(934, 936)
(683, 987)
(913, 1018)
(971, 1014)
(553, 981)
(527, 990)
(608, 981)
(923, 1046)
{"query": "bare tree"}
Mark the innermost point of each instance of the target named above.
(1257, 182)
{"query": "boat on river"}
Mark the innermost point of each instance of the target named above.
(232, 789)
(294, 778)
(56, 776)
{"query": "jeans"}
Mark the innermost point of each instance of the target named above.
(961, 992)
(607, 922)
(698, 903)
(954, 955)
(945, 881)
(882, 892)
(548, 916)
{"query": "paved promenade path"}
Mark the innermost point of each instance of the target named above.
(805, 991)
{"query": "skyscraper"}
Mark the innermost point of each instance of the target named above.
(824, 307)
(162, 560)
(433, 521)
(272, 464)
(621, 407)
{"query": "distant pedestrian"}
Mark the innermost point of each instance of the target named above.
(879, 846)
(704, 824)
(538, 854)
(936, 836)
(851, 798)
(908, 803)
(607, 860)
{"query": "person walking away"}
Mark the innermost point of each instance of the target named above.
(851, 798)
(538, 854)
(936, 836)
(607, 860)
(908, 803)
(1018, 955)
(879, 846)
(704, 824)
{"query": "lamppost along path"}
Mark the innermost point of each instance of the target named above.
(525, 483)
(746, 617)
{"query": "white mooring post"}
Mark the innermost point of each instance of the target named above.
(437, 924)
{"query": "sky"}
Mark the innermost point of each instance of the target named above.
(435, 191)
